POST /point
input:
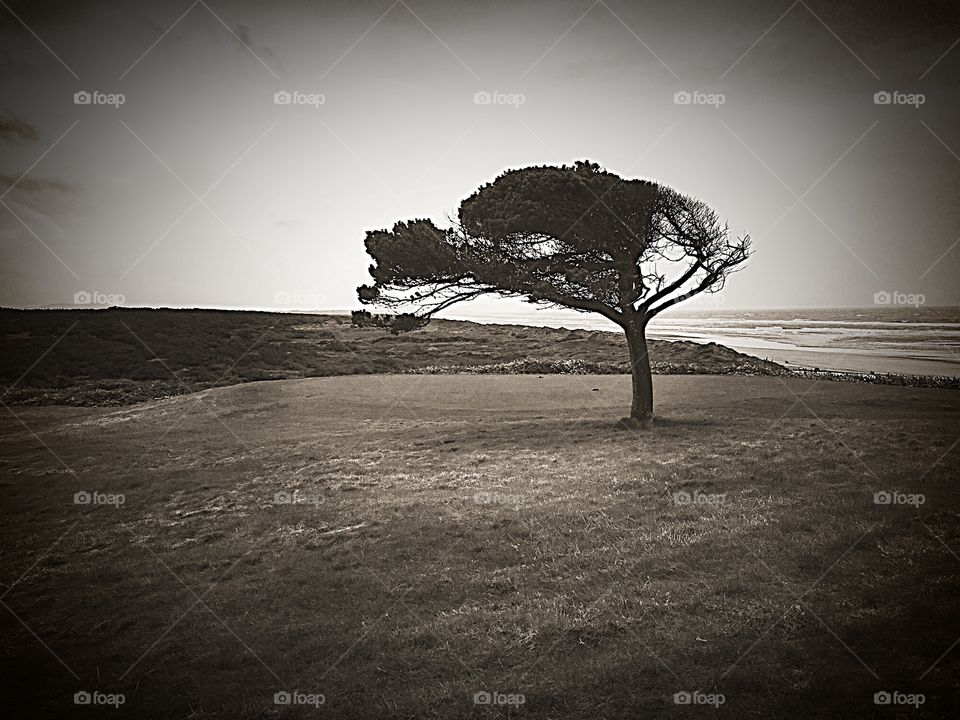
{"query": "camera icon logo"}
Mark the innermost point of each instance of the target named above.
(482, 698)
(882, 97)
(82, 498)
(883, 497)
(882, 298)
(82, 698)
(882, 698)
(682, 98)
(82, 97)
(482, 98)
(282, 97)
(282, 698)
(682, 698)
(82, 298)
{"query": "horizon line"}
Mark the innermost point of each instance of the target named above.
(532, 312)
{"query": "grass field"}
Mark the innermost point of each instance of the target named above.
(451, 535)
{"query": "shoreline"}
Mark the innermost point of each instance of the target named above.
(859, 340)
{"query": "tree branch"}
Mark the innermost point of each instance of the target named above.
(705, 284)
(672, 287)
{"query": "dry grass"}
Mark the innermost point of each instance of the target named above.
(461, 533)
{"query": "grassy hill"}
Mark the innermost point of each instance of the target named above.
(119, 356)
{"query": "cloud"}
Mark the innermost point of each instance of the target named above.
(35, 184)
(243, 35)
(14, 129)
(154, 26)
(244, 38)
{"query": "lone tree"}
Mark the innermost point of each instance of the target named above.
(576, 237)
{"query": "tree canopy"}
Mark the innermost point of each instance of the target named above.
(571, 236)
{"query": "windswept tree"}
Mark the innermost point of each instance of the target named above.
(576, 237)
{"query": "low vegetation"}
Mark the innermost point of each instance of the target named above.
(120, 356)
(401, 543)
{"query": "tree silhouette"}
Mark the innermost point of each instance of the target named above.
(571, 236)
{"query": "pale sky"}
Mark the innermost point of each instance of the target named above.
(287, 191)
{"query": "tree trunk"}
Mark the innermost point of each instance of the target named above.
(641, 411)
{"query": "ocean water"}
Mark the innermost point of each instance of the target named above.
(920, 341)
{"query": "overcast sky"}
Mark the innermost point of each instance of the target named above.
(199, 190)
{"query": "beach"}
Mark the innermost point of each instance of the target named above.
(912, 341)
